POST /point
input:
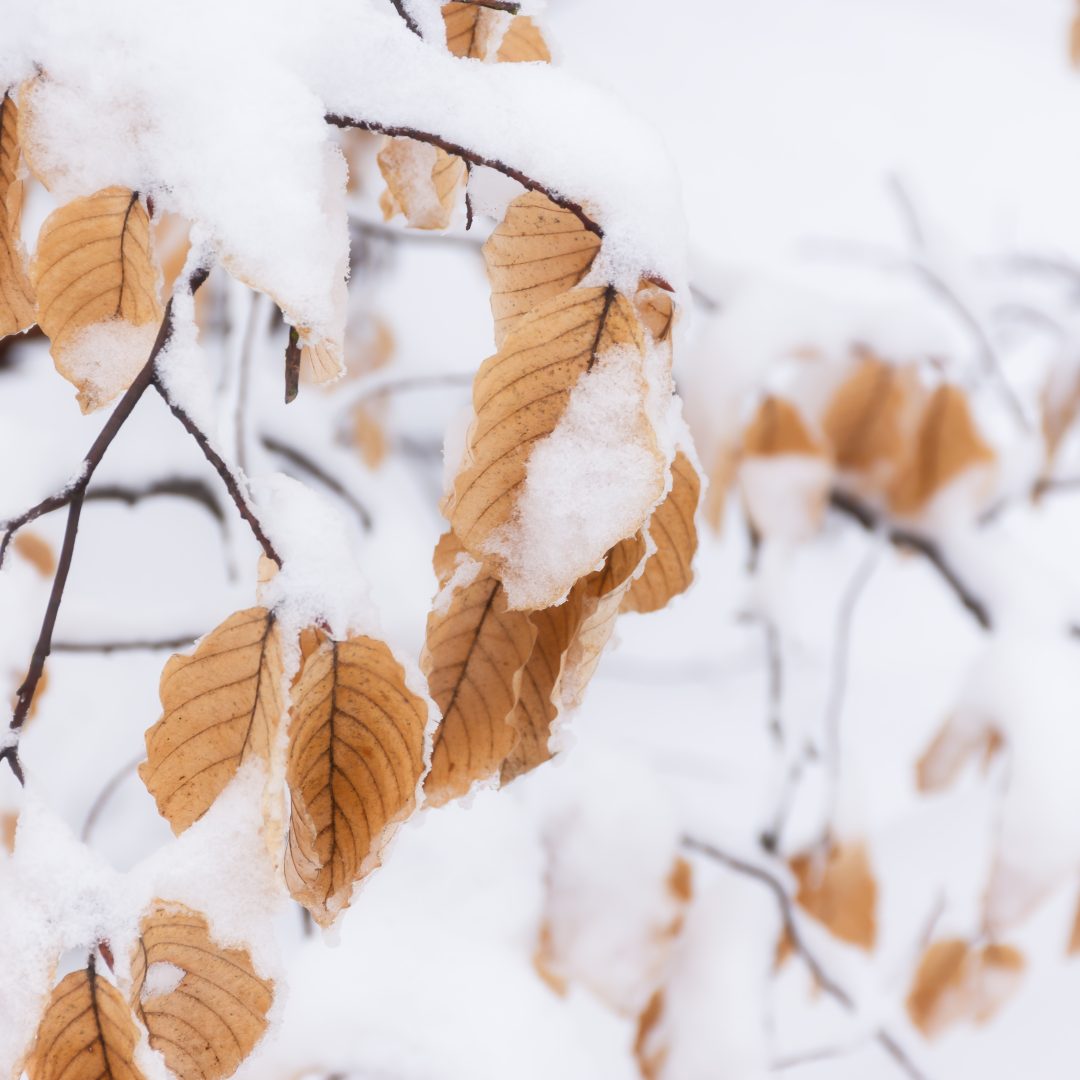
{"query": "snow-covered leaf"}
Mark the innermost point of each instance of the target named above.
(16, 294)
(204, 1005)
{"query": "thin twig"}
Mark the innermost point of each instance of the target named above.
(315, 470)
(469, 155)
(409, 21)
(834, 705)
(233, 484)
(871, 520)
(495, 5)
(786, 904)
(106, 794)
(181, 487)
(180, 641)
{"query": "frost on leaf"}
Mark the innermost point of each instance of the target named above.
(668, 571)
(87, 1032)
(519, 396)
(221, 706)
(656, 309)
(356, 755)
(16, 294)
(537, 251)
(473, 658)
(956, 981)
(208, 1014)
(423, 182)
(947, 444)
(97, 292)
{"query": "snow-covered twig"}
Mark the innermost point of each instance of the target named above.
(791, 921)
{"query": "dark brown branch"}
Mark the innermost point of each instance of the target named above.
(471, 156)
(495, 5)
(315, 470)
(409, 21)
(228, 478)
(181, 487)
(786, 904)
(292, 366)
(180, 641)
(901, 537)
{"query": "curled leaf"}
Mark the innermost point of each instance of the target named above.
(668, 570)
(473, 659)
(16, 293)
(537, 251)
(203, 1005)
(356, 755)
(221, 706)
(96, 282)
(423, 182)
(87, 1032)
(519, 395)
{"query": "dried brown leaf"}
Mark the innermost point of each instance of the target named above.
(668, 571)
(473, 659)
(36, 551)
(537, 707)
(519, 396)
(16, 293)
(947, 443)
(356, 755)
(951, 749)
(368, 432)
(94, 265)
(537, 251)
(955, 982)
(839, 891)
(423, 182)
(87, 1032)
(469, 29)
(778, 428)
(656, 309)
(206, 1024)
(522, 43)
(221, 706)
(868, 422)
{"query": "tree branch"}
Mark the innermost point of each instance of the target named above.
(181, 487)
(180, 641)
(471, 156)
(786, 904)
(871, 520)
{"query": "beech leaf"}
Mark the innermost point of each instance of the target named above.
(87, 1032)
(469, 29)
(839, 891)
(522, 43)
(473, 658)
(221, 706)
(94, 270)
(537, 251)
(423, 182)
(356, 755)
(668, 570)
(947, 444)
(16, 293)
(208, 1021)
(519, 395)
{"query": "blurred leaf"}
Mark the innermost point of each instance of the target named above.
(423, 182)
(523, 42)
(839, 891)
